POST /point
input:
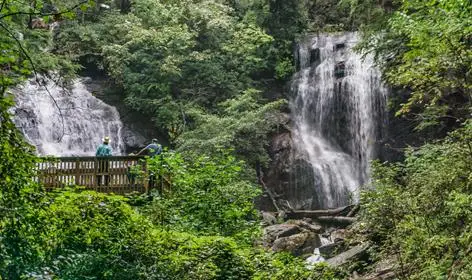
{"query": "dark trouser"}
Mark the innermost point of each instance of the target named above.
(103, 167)
(155, 182)
(131, 177)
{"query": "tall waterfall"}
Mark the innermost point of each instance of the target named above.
(65, 122)
(338, 109)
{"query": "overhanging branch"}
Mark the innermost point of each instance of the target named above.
(28, 57)
(32, 13)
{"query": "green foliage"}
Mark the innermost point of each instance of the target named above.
(436, 65)
(243, 124)
(425, 47)
(286, 267)
(86, 235)
(169, 55)
(205, 196)
(75, 234)
(23, 50)
(17, 192)
(369, 12)
(420, 212)
(176, 61)
(284, 69)
(25, 40)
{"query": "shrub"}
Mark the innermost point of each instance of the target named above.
(203, 195)
(420, 210)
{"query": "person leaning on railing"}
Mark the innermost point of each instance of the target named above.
(152, 150)
(104, 150)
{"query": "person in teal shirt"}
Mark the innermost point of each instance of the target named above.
(104, 150)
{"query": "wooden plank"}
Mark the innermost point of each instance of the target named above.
(84, 171)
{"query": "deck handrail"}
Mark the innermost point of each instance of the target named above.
(89, 157)
(113, 174)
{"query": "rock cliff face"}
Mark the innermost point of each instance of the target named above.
(287, 175)
(138, 129)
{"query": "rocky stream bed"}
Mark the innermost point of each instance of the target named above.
(332, 236)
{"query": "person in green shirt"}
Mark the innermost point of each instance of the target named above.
(104, 150)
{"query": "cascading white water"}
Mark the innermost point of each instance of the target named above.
(338, 110)
(84, 122)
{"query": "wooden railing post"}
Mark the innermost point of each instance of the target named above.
(77, 172)
(62, 171)
(146, 178)
(96, 162)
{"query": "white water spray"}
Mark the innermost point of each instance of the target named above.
(84, 122)
(338, 110)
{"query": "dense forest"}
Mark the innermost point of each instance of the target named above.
(212, 76)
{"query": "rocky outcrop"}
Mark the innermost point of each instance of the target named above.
(133, 139)
(318, 241)
(298, 244)
(348, 255)
(274, 232)
(330, 250)
(287, 177)
(138, 129)
(268, 219)
(382, 270)
(296, 237)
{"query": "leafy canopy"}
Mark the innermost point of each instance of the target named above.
(426, 48)
(204, 195)
(243, 124)
(171, 55)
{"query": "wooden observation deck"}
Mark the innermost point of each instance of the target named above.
(117, 174)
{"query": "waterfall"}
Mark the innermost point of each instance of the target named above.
(65, 121)
(338, 108)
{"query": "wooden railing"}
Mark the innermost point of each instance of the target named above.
(118, 174)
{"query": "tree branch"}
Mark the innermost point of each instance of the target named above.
(3, 5)
(40, 13)
(28, 57)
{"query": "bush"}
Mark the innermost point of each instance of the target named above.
(420, 209)
(95, 236)
(205, 196)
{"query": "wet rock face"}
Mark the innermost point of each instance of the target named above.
(298, 244)
(297, 237)
(287, 177)
(277, 177)
(132, 139)
(28, 121)
(279, 174)
(138, 130)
